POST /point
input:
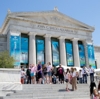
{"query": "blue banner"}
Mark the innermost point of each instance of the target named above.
(91, 57)
(24, 50)
(15, 49)
(81, 54)
(55, 52)
(40, 50)
(69, 52)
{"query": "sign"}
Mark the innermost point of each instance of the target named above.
(15, 48)
(91, 57)
(69, 54)
(55, 52)
(24, 49)
(40, 50)
(81, 54)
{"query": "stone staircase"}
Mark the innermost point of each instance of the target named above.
(50, 91)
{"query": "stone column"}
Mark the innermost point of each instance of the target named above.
(86, 53)
(32, 48)
(48, 56)
(76, 52)
(62, 51)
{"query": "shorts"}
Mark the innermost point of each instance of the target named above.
(66, 80)
(49, 73)
(45, 73)
(36, 76)
(39, 75)
(32, 74)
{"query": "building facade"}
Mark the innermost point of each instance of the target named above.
(48, 37)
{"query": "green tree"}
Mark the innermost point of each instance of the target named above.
(6, 61)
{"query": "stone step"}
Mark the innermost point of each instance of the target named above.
(56, 93)
(50, 91)
(51, 97)
(49, 85)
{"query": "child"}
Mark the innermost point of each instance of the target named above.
(80, 76)
(54, 79)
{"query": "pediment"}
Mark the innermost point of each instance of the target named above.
(53, 18)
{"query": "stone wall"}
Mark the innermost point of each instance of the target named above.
(3, 43)
(97, 55)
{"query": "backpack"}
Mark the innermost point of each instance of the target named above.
(61, 70)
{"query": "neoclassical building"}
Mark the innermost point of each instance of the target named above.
(48, 36)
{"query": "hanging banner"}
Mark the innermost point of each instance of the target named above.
(24, 50)
(40, 50)
(91, 57)
(69, 52)
(81, 55)
(55, 52)
(15, 48)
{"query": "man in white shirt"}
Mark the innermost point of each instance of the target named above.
(84, 73)
(91, 72)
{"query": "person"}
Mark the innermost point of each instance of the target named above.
(35, 70)
(36, 75)
(54, 78)
(67, 78)
(84, 73)
(32, 73)
(39, 72)
(44, 73)
(22, 75)
(99, 89)
(61, 74)
(77, 75)
(74, 86)
(49, 72)
(80, 76)
(93, 91)
(28, 74)
(91, 72)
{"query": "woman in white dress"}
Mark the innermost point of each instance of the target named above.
(67, 78)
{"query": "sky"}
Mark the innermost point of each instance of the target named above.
(86, 11)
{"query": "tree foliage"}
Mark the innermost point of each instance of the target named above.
(6, 61)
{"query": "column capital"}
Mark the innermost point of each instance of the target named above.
(89, 41)
(32, 33)
(75, 39)
(47, 35)
(61, 37)
(14, 32)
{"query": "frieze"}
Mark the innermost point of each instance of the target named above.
(39, 26)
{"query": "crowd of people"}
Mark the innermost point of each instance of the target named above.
(47, 74)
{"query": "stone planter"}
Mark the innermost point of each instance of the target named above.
(10, 79)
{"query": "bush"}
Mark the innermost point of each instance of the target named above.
(6, 61)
